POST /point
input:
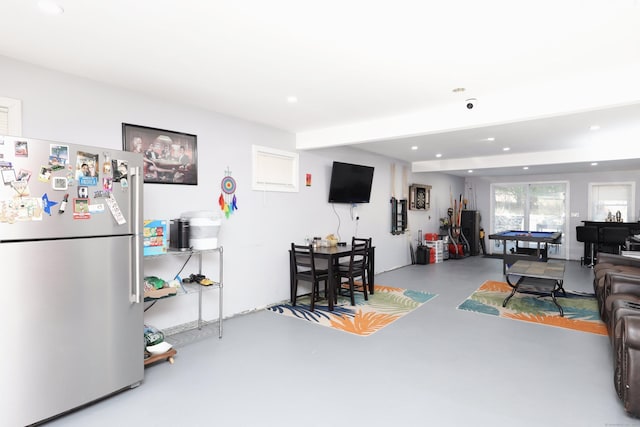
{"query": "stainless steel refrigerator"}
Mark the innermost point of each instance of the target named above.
(71, 310)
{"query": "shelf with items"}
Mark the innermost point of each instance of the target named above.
(190, 288)
(168, 355)
(398, 216)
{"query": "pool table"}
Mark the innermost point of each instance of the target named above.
(540, 237)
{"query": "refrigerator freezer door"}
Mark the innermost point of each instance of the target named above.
(71, 333)
(30, 183)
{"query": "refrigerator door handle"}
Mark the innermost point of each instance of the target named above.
(134, 295)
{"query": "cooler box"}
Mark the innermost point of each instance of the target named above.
(204, 227)
(423, 255)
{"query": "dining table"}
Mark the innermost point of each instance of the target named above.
(332, 255)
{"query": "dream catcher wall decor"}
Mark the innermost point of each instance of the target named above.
(227, 199)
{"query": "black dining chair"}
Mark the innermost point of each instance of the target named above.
(304, 268)
(356, 268)
(589, 236)
(367, 261)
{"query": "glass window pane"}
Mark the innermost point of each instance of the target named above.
(508, 213)
(529, 207)
(509, 206)
(547, 207)
(607, 200)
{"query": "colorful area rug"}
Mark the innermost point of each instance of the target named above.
(580, 309)
(384, 307)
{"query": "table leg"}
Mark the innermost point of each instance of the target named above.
(332, 282)
(504, 257)
(557, 286)
(291, 274)
(371, 270)
(513, 290)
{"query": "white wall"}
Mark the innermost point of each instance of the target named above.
(65, 108)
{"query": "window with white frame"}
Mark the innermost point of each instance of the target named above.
(533, 206)
(608, 199)
(10, 116)
(4, 120)
(274, 170)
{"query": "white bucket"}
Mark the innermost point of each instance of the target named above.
(204, 227)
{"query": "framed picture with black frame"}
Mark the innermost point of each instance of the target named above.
(170, 157)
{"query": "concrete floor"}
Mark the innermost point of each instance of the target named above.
(437, 366)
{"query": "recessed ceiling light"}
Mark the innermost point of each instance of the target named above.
(470, 171)
(438, 155)
(594, 164)
(525, 167)
(491, 138)
(50, 7)
(292, 99)
(414, 147)
(506, 149)
(594, 127)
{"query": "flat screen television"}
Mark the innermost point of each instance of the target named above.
(350, 183)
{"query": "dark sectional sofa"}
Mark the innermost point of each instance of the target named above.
(616, 284)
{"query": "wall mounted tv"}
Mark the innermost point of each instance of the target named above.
(350, 183)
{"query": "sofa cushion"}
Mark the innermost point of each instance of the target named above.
(627, 363)
(601, 278)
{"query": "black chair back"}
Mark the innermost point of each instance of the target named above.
(304, 268)
(587, 234)
(368, 263)
(360, 241)
(303, 258)
(615, 237)
(356, 268)
(359, 258)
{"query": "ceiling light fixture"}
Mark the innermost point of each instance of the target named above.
(491, 138)
(506, 149)
(438, 155)
(594, 127)
(470, 171)
(594, 164)
(525, 167)
(292, 99)
(414, 147)
(50, 7)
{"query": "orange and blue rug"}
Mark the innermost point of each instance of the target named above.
(384, 307)
(580, 309)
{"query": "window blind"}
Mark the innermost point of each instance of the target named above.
(4, 120)
(609, 198)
